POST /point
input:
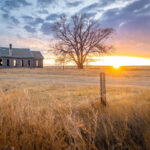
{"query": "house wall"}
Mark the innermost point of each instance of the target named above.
(39, 62)
(33, 63)
(11, 63)
(18, 63)
(4, 62)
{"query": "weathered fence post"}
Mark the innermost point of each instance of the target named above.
(102, 88)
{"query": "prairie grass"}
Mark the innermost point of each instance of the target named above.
(39, 112)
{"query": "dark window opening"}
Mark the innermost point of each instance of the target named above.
(29, 63)
(7, 62)
(1, 62)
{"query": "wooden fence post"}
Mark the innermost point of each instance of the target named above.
(102, 88)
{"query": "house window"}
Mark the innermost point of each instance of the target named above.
(1, 62)
(29, 63)
(15, 63)
(37, 63)
(7, 62)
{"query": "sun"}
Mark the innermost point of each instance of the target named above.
(116, 66)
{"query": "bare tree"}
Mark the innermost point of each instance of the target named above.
(62, 60)
(79, 37)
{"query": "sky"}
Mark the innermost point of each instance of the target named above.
(27, 23)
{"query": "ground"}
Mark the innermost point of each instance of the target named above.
(32, 99)
(47, 82)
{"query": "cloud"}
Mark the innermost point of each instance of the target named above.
(103, 3)
(10, 19)
(5, 16)
(42, 12)
(30, 29)
(73, 4)
(52, 17)
(132, 15)
(37, 21)
(89, 15)
(46, 28)
(44, 3)
(32, 21)
(89, 8)
(14, 20)
(27, 18)
(8, 5)
(137, 5)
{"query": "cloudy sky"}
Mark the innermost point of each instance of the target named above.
(26, 23)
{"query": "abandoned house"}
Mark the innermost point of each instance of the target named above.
(20, 57)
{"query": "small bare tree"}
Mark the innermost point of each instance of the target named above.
(79, 37)
(62, 60)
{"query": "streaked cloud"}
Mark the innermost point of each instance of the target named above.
(46, 28)
(73, 4)
(30, 29)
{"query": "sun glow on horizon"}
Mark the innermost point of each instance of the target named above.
(115, 61)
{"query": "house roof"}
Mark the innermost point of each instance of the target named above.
(20, 53)
(37, 54)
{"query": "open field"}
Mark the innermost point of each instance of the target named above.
(44, 109)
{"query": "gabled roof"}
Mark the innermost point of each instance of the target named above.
(37, 54)
(16, 52)
(4, 51)
(20, 53)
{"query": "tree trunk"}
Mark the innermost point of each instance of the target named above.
(80, 66)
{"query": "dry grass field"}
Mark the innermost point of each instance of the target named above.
(52, 109)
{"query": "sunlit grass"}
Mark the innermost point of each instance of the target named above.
(55, 109)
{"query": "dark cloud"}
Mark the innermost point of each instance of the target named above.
(89, 15)
(32, 21)
(73, 4)
(37, 21)
(8, 5)
(27, 18)
(137, 5)
(5, 16)
(10, 19)
(30, 29)
(10, 27)
(103, 3)
(43, 12)
(14, 20)
(133, 16)
(89, 8)
(52, 17)
(45, 2)
(46, 28)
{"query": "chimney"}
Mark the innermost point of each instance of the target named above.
(10, 49)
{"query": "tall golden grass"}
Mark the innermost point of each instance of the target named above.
(30, 124)
(39, 112)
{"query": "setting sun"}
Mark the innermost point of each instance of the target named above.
(116, 66)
